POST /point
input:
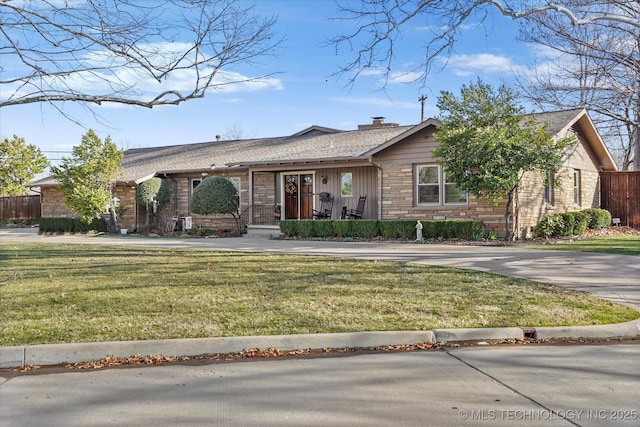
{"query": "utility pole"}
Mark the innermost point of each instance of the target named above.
(422, 99)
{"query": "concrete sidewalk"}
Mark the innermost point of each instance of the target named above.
(612, 277)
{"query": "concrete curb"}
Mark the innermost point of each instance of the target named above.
(620, 330)
(55, 354)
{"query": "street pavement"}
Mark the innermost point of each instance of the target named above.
(533, 385)
(585, 385)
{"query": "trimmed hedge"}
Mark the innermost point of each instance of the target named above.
(388, 229)
(71, 225)
(572, 223)
(597, 218)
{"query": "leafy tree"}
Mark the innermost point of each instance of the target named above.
(153, 194)
(214, 196)
(87, 178)
(144, 53)
(19, 164)
(486, 143)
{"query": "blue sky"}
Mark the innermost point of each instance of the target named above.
(303, 93)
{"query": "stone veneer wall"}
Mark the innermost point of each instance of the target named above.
(398, 202)
(264, 188)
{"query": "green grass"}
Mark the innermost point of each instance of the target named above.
(622, 245)
(52, 293)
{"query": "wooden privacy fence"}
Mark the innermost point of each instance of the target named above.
(620, 195)
(19, 207)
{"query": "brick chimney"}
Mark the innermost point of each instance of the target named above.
(378, 122)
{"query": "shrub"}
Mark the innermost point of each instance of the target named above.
(390, 229)
(323, 228)
(549, 226)
(153, 189)
(569, 223)
(597, 218)
(365, 228)
(343, 228)
(214, 195)
(71, 225)
(580, 223)
(305, 228)
(289, 227)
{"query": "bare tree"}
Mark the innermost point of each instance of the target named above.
(127, 51)
(378, 26)
(596, 67)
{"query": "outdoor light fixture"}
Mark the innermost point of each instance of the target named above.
(323, 179)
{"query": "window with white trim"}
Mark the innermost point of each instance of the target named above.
(346, 184)
(576, 187)
(433, 189)
(548, 188)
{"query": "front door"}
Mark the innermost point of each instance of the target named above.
(298, 196)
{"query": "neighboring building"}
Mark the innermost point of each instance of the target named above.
(390, 164)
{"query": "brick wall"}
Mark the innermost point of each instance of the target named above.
(53, 204)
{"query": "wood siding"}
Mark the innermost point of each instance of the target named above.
(621, 196)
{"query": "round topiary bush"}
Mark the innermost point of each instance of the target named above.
(153, 189)
(215, 195)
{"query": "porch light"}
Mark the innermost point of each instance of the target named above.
(323, 179)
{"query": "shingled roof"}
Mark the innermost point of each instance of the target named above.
(317, 145)
(140, 164)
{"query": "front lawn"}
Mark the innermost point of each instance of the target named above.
(616, 244)
(51, 293)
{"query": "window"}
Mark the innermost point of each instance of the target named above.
(428, 185)
(434, 189)
(452, 193)
(548, 188)
(576, 187)
(346, 181)
(194, 184)
(236, 183)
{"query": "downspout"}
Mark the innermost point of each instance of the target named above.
(379, 190)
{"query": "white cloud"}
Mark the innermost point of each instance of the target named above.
(463, 65)
(404, 77)
(109, 77)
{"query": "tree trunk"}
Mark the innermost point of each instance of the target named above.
(511, 200)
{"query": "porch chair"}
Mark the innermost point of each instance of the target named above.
(326, 207)
(357, 212)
